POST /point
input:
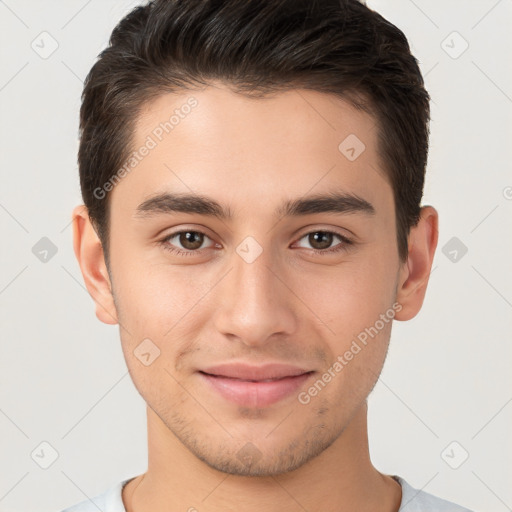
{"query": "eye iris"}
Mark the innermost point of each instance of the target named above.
(191, 240)
(325, 244)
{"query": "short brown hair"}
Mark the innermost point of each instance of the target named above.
(257, 47)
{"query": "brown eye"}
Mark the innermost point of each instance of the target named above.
(322, 242)
(320, 239)
(185, 242)
(191, 240)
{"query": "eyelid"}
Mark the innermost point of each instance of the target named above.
(343, 237)
(173, 234)
(345, 241)
(344, 244)
(313, 228)
(308, 230)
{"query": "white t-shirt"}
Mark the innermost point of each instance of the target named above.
(413, 500)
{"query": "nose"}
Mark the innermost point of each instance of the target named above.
(255, 303)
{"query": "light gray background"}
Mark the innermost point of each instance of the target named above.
(63, 379)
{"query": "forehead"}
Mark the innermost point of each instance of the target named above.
(245, 150)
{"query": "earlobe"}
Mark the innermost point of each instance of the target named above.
(416, 270)
(89, 254)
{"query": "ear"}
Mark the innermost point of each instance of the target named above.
(415, 272)
(89, 253)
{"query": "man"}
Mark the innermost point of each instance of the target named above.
(252, 173)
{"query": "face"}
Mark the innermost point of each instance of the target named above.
(254, 336)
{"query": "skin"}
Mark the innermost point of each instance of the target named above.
(290, 305)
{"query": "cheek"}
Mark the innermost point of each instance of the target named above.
(352, 297)
(155, 299)
(155, 380)
(356, 303)
(156, 310)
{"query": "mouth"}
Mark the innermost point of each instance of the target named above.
(252, 386)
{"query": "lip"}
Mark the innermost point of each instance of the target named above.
(255, 386)
(245, 371)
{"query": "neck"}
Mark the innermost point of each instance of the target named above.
(342, 478)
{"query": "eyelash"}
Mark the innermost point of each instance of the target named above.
(321, 252)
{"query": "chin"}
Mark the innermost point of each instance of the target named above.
(260, 458)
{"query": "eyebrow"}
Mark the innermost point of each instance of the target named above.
(336, 203)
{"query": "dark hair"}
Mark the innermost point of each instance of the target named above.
(256, 47)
